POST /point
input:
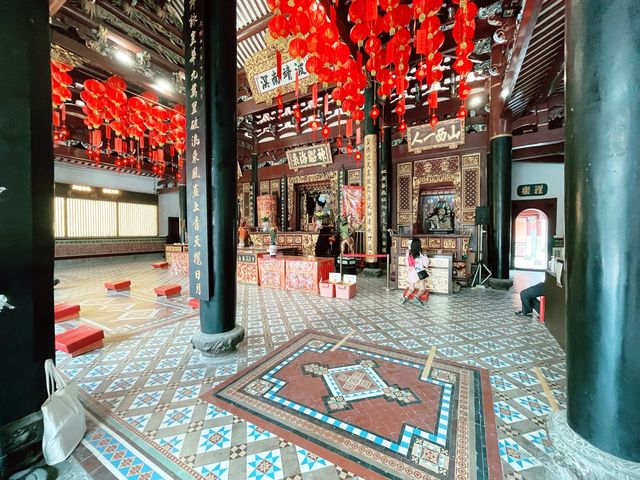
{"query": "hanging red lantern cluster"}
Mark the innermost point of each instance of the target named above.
(382, 31)
(429, 39)
(60, 93)
(463, 32)
(138, 125)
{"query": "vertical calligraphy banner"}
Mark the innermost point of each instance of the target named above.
(197, 161)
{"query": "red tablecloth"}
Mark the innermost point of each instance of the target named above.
(272, 270)
(304, 274)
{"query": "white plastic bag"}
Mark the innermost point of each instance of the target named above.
(63, 417)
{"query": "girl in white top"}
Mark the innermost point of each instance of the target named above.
(416, 262)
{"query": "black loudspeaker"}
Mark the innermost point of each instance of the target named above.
(482, 215)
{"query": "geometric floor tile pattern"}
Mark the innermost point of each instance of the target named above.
(142, 389)
(368, 408)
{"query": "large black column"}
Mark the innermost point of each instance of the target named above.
(26, 229)
(370, 177)
(500, 203)
(384, 180)
(214, 65)
(602, 180)
(255, 188)
(182, 205)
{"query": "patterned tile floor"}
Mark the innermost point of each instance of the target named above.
(146, 419)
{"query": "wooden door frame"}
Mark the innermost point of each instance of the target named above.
(549, 206)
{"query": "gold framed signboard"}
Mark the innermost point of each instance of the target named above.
(312, 156)
(448, 133)
(263, 78)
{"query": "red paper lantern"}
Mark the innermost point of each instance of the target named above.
(326, 131)
(338, 95)
(278, 27)
(433, 121)
(298, 48)
(313, 64)
(299, 23)
(358, 156)
(374, 113)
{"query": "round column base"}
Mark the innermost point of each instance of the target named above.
(577, 459)
(215, 344)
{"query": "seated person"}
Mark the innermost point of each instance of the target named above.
(529, 298)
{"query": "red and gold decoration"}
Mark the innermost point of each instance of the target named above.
(385, 34)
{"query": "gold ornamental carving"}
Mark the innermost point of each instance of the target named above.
(371, 194)
(311, 177)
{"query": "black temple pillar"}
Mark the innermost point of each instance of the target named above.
(210, 37)
(602, 179)
(26, 230)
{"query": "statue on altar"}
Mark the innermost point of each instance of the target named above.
(323, 214)
(441, 221)
(345, 226)
(244, 239)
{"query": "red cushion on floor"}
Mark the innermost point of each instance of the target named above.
(63, 310)
(194, 302)
(119, 285)
(160, 265)
(168, 290)
(77, 338)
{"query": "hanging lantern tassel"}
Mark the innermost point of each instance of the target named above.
(326, 104)
(433, 99)
(297, 84)
(358, 136)
(349, 127)
(314, 95)
(279, 64)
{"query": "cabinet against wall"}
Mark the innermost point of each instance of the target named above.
(443, 250)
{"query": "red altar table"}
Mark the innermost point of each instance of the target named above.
(304, 274)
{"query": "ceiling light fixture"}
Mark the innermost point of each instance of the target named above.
(124, 57)
(163, 86)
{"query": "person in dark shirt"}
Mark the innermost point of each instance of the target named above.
(529, 298)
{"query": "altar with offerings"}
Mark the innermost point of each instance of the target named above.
(301, 274)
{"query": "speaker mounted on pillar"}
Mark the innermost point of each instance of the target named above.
(482, 215)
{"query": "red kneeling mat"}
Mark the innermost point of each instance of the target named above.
(65, 311)
(120, 285)
(160, 265)
(168, 290)
(77, 339)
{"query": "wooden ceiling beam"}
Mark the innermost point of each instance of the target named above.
(78, 20)
(554, 75)
(252, 29)
(110, 65)
(122, 17)
(523, 37)
(54, 6)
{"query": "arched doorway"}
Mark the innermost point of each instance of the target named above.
(531, 233)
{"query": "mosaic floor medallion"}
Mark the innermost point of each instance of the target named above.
(368, 409)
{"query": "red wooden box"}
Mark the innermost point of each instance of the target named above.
(119, 285)
(77, 339)
(65, 311)
(168, 290)
(160, 265)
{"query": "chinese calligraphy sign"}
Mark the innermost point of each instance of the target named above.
(534, 190)
(263, 77)
(311, 156)
(197, 173)
(448, 133)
